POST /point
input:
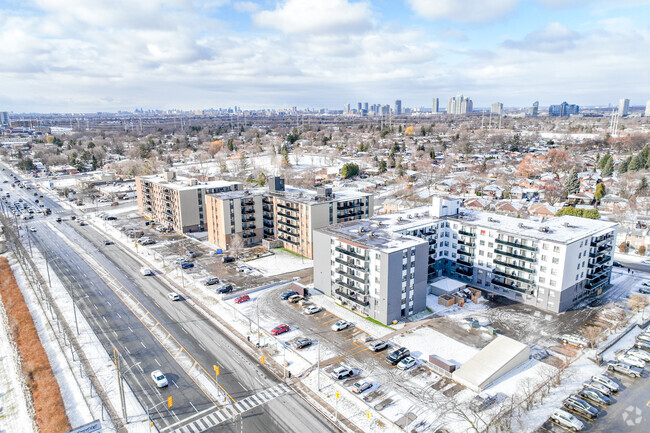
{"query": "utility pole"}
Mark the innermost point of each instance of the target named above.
(257, 303)
(119, 382)
(318, 367)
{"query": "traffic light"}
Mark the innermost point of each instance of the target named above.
(216, 370)
(337, 395)
(262, 359)
(170, 402)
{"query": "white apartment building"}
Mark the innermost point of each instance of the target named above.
(552, 265)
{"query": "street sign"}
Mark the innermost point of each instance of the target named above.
(92, 427)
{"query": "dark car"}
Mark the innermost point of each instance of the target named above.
(73, 217)
(397, 355)
(577, 404)
(107, 242)
(228, 259)
(225, 289)
(110, 218)
(58, 219)
(287, 295)
(617, 264)
(595, 396)
(301, 343)
(187, 265)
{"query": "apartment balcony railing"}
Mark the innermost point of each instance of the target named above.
(351, 286)
(350, 253)
(350, 264)
(344, 205)
(268, 223)
(510, 265)
(249, 227)
(267, 216)
(516, 245)
(511, 286)
(516, 256)
(287, 222)
(465, 271)
(467, 243)
(247, 235)
(289, 232)
(249, 202)
(513, 277)
(353, 277)
(267, 208)
(465, 253)
(289, 208)
(288, 215)
(466, 233)
(349, 297)
(286, 239)
(247, 210)
(350, 214)
(462, 261)
(600, 241)
(593, 286)
(247, 218)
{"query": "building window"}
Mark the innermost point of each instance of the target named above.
(542, 280)
(556, 249)
(556, 260)
(553, 283)
(545, 246)
(490, 255)
(481, 242)
(544, 258)
(542, 268)
(553, 271)
(490, 245)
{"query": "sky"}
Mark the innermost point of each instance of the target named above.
(109, 55)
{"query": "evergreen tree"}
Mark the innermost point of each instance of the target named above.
(622, 167)
(644, 184)
(635, 164)
(382, 166)
(608, 169)
(572, 182)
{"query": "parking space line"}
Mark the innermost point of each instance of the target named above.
(562, 427)
(323, 316)
(329, 321)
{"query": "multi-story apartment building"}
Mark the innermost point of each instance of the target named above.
(177, 202)
(279, 213)
(552, 265)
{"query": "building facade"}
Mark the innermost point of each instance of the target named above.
(436, 106)
(279, 213)
(459, 105)
(552, 265)
(623, 107)
(177, 202)
(563, 110)
(497, 108)
(4, 118)
(398, 107)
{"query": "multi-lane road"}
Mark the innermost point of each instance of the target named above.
(121, 305)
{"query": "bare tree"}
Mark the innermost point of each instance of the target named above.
(236, 245)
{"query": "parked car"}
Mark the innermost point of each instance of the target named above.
(226, 288)
(187, 265)
(361, 386)
(579, 405)
(397, 355)
(228, 259)
(643, 337)
(190, 254)
(642, 345)
(312, 309)
(287, 295)
(595, 396)
(632, 360)
(301, 343)
(210, 281)
(294, 299)
(174, 296)
(159, 379)
(341, 373)
(407, 363)
(616, 264)
(377, 345)
(645, 290)
(242, 298)
(609, 383)
(32, 229)
(340, 325)
(280, 329)
(146, 272)
(603, 389)
(574, 340)
(181, 260)
(565, 419)
(624, 368)
(638, 353)
(482, 401)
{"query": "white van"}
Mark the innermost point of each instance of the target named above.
(146, 271)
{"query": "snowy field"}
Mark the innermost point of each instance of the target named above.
(281, 262)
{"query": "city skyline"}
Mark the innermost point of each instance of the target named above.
(87, 56)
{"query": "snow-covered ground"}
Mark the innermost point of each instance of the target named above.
(281, 262)
(441, 310)
(425, 341)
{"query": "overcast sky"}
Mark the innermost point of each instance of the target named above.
(108, 55)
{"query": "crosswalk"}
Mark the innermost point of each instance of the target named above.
(213, 417)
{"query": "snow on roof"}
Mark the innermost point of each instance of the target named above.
(448, 285)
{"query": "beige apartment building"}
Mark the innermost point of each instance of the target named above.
(177, 202)
(282, 214)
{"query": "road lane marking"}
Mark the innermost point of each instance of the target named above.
(175, 384)
(95, 305)
(329, 321)
(118, 314)
(201, 346)
(130, 329)
(127, 349)
(197, 411)
(103, 317)
(143, 345)
(157, 362)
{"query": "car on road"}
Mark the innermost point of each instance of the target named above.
(646, 261)
(340, 325)
(174, 296)
(609, 383)
(287, 295)
(603, 389)
(146, 241)
(159, 379)
(645, 290)
(83, 223)
(341, 372)
(575, 403)
(228, 259)
(211, 281)
(407, 363)
(32, 229)
(361, 386)
(58, 219)
(621, 367)
(280, 329)
(187, 265)
(638, 353)
(565, 419)
(295, 298)
(595, 396)
(617, 264)
(242, 298)
(377, 345)
(110, 218)
(312, 309)
(146, 272)
(107, 242)
(632, 360)
(301, 343)
(226, 288)
(397, 355)
(574, 340)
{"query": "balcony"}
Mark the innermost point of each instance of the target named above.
(289, 208)
(597, 243)
(350, 214)
(350, 264)
(267, 216)
(465, 271)
(247, 235)
(463, 262)
(352, 277)
(510, 265)
(516, 245)
(511, 287)
(248, 218)
(268, 223)
(516, 256)
(348, 205)
(283, 230)
(287, 222)
(267, 208)
(467, 243)
(465, 253)
(463, 232)
(350, 253)
(247, 210)
(288, 215)
(248, 202)
(513, 277)
(352, 298)
(286, 239)
(593, 286)
(350, 286)
(249, 227)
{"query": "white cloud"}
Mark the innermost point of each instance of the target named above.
(555, 37)
(463, 10)
(561, 4)
(316, 16)
(246, 6)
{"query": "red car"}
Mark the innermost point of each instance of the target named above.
(242, 298)
(280, 329)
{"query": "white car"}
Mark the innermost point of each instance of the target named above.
(609, 383)
(312, 309)
(377, 345)
(174, 296)
(632, 360)
(574, 340)
(360, 386)
(406, 363)
(340, 325)
(638, 353)
(146, 272)
(159, 379)
(341, 373)
(32, 229)
(565, 419)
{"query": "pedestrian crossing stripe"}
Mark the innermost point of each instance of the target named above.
(218, 416)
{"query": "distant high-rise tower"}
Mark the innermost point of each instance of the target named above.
(459, 105)
(358, 107)
(398, 106)
(647, 109)
(534, 110)
(4, 118)
(346, 109)
(436, 105)
(497, 108)
(564, 109)
(623, 107)
(365, 106)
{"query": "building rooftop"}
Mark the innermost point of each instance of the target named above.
(229, 195)
(309, 196)
(372, 233)
(181, 183)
